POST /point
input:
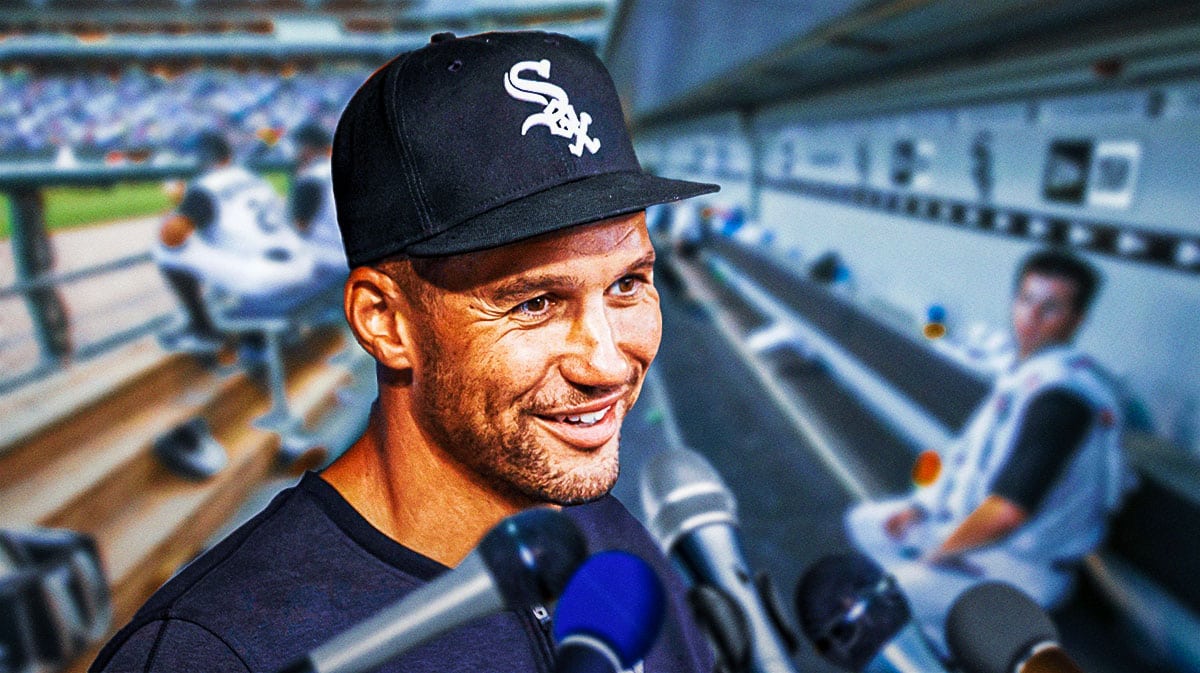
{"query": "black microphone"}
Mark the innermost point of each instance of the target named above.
(609, 615)
(995, 628)
(525, 560)
(693, 516)
(858, 618)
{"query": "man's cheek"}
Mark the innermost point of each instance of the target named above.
(643, 333)
(520, 361)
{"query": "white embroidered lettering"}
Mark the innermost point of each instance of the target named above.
(559, 115)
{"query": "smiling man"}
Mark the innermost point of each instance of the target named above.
(506, 375)
(1026, 491)
(492, 210)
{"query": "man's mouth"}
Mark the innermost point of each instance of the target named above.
(585, 428)
(585, 419)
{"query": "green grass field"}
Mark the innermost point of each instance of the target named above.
(72, 207)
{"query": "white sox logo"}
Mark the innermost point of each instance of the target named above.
(559, 115)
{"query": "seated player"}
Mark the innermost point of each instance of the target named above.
(228, 236)
(1027, 490)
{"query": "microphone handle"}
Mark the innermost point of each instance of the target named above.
(1049, 659)
(908, 652)
(711, 555)
(461, 595)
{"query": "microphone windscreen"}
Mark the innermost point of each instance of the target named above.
(849, 608)
(993, 626)
(615, 598)
(681, 491)
(532, 554)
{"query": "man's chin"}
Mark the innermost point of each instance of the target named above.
(563, 475)
(576, 489)
(574, 502)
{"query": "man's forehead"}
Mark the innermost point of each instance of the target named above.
(622, 239)
(1045, 285)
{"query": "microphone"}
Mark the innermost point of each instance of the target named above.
(693, 516)
(609, 615)
(858, 619)
(525, 560)
(995, 628)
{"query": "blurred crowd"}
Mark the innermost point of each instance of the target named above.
(139, 114)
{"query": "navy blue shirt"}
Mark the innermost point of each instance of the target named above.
(309, 566)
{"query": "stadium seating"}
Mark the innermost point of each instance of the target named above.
(140, 115)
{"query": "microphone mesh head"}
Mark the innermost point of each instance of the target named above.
(681, 492)
(993, 626)
(616, 598)
(532, 554)
(849, 609)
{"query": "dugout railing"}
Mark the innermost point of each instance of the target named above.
(38, 282)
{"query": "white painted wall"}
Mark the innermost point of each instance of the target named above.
(1145, 325)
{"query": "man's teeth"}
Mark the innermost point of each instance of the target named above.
(584, 419)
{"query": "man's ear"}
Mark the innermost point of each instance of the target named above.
(379, 316)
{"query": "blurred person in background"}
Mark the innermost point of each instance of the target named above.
(311, 198)
(228, 236)
(1027, 489)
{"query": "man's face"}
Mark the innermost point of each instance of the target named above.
(1043, 312)
(533, 355)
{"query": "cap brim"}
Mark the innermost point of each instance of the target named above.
(578, 202)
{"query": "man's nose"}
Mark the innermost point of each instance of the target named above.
(1028, 311)
(1037, 313)
(596, 358)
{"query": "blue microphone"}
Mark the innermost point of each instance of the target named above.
(609, 614)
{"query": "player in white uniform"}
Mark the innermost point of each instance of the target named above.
(1028, 488)
(311, 199)
(228, 236)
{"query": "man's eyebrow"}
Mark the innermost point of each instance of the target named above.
(645, 261)
(530, 286)
(526, 286)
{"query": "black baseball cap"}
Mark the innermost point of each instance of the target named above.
(475, 142)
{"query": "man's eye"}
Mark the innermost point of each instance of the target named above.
(627, 285)
(535, 306)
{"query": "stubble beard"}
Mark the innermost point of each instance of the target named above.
(513, 461)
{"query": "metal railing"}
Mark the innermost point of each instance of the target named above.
(36, 280)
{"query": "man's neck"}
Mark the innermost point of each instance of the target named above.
(415, 494)
(1042, 350)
